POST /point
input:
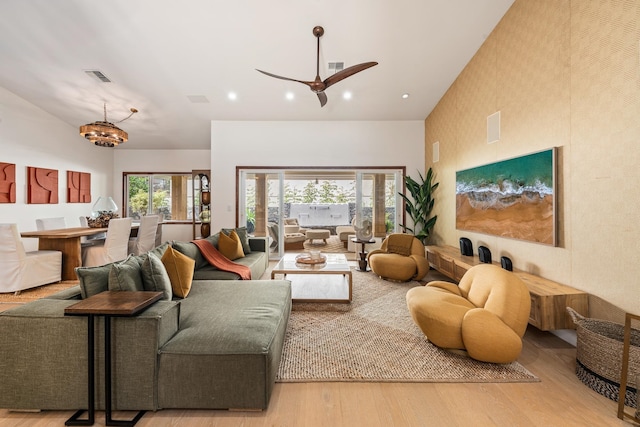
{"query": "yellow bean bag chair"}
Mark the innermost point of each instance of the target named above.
(401, 258)
(486, 314)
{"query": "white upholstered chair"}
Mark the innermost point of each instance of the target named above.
(50, 223)
(94, 238)
(23, 270)
(159, 229)
(146, 239)
(114, 248)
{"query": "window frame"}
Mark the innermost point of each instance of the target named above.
(150, 176)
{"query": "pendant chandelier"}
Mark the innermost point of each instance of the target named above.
(104, 133)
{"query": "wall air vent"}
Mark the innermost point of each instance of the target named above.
(97, 74)
(334, 67)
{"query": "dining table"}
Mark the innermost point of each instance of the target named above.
(67, 241)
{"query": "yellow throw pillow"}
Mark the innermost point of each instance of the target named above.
(230, 246)
(180, 270)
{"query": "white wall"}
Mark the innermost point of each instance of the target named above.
(317, 143)
(178, 161)
(31, 137)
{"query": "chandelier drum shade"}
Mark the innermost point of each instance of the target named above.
(104, 133)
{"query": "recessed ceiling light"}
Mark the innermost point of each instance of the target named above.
(290, 96)
(346, 95)
(232, 96)
(405, 95)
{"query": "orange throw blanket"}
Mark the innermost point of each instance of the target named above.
(215, 258)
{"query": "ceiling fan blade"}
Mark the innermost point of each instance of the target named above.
(284, 78)
(322, 97)
(331, 80)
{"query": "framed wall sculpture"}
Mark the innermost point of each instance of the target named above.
(42, 185)
(513, 198)
(7, 183)
(78, 187)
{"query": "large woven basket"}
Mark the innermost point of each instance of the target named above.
(599, 356)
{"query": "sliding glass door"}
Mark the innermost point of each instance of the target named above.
(266, 196)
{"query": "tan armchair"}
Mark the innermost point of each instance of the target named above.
(294, 236)
(401, 258)
(290, 225)
(486, 314)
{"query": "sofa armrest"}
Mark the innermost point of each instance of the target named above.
(447, 286)
(258, 244)
(72, 293)
(422, 266)
(43, 356)
(375, 251)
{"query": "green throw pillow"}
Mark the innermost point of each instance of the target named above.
(126, 275)
(213, 239)
(191, 250)
(243, 235)
(155, 277)
(93, 280)
(160, 250)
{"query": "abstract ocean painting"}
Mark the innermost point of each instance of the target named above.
(512, 198)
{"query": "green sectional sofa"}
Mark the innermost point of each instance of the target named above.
(218, 348)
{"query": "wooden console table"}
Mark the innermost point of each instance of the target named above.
(549, 299)
(107, 304)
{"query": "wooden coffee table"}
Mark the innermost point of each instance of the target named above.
(317, 282)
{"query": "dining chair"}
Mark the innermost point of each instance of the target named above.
(94, 238)
(146, 239)
(114, 248)
(50, 223)
(159, 229)
(23, 270)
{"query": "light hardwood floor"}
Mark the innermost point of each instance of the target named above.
(559, 399)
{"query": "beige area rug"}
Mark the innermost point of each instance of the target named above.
(375, 339)
(32, 294)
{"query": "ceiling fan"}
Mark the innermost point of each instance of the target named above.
(318, 86)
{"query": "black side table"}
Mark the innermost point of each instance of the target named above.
(107, 304)
(362, 262)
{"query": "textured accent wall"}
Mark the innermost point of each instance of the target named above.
(562, 73)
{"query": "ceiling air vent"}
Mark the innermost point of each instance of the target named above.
(98, 75)
(334, 67)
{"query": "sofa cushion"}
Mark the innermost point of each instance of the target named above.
(230, 246)
(155, 276)
(243, 234)
(180, 270)
(126, 275)
(233, 332)
(255, 261)
(93, 280)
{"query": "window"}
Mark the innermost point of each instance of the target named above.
(161, 193)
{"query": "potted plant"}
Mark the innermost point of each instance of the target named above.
(251, 220)
(419, 209)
